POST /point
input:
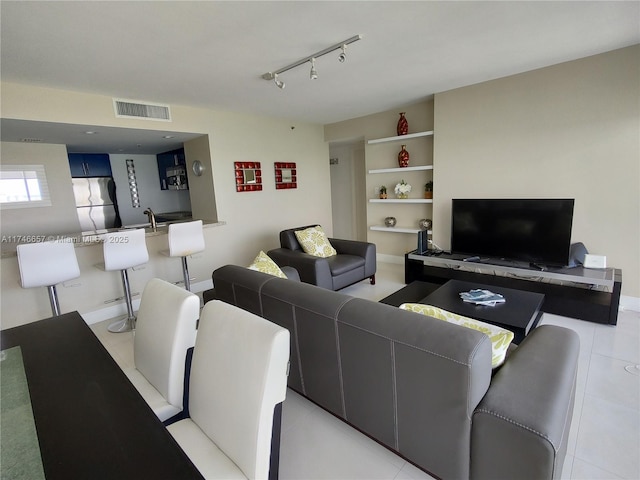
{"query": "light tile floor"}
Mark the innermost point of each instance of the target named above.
(604, 441)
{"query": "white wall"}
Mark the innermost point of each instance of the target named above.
(253, 219)
(569, 131)
(348, 190)
(343, 204)
(201, 189)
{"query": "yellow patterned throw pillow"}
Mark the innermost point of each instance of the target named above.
(314, 242)
(500, 338)
(264, 264)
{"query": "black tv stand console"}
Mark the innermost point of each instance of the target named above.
(586, 294)
(537, 266)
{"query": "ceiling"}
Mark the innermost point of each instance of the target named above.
(212, 54)
(94, 139)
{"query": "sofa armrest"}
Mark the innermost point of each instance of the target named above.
(311, 269)
(291, 273)
(351, 247)
(521, 426)
(365, 250)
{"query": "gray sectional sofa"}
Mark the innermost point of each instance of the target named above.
(420, 386)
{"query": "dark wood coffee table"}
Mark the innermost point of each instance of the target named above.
(519, 313)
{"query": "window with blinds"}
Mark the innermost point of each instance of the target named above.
(23, 186)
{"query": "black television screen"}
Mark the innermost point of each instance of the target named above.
(531, 230)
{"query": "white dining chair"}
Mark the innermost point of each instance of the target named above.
(47, 264)
(165, 330)
(237, 385)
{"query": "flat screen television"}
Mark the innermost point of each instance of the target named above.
(531, 230)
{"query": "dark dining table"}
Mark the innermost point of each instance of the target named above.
(90, 421)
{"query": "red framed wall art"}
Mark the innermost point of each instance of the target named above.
(248, 176)
(286, 176)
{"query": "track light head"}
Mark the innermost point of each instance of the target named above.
(343, 56)
(279, 83)
(313, 75)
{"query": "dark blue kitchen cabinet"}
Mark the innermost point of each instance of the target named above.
(172, 170)
(89, 165)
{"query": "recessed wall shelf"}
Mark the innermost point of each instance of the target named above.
(400, 138)
(402, 169)
(400, 200)
(380, 153)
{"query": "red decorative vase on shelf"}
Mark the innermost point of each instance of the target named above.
(403, 157)
(403, 126)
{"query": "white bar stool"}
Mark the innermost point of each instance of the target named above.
(123, 250)
(185, 239)
(47, 264)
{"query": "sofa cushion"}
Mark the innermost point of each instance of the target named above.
(500, 338)
(314, 242)
(340, 264)
(262, 263)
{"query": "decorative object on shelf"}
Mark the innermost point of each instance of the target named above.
(403, 125)
(286, 176)
(383, 192)
(425, 224)
(403, 157)
(248, 176)
(428, 189)
(390, 221)
(402, 189)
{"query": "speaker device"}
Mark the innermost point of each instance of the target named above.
(577, 252)
(423, 243)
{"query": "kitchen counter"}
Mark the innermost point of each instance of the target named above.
(173, 217)
(9, 242)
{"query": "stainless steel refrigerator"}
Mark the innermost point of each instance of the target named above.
(96, 203)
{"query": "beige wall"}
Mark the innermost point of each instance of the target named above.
(385, 155)
(61, 216)
(566, 131)
(203, 201)
(253, 219)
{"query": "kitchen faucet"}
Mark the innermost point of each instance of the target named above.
(152, 218)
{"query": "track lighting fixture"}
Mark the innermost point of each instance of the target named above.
(343, 56)
(313, 74)
(279, 83)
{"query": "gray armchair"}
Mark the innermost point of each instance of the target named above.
(354, 262)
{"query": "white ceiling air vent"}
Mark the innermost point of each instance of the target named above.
(137, 109)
